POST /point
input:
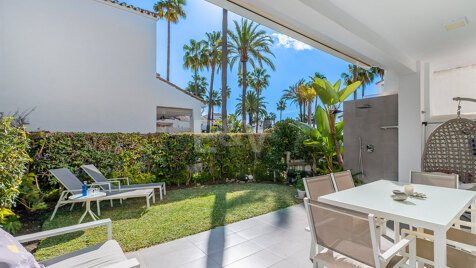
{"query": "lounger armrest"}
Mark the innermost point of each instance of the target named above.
(101, 183)
(130, 263)
(66, 230)
(119, 179)
(395, 249)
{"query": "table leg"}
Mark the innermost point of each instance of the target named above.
(396, 230)
(88, 210)
(82, 217)
(440, 248)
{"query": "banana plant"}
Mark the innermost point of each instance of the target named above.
(332, 97)
(320, 137)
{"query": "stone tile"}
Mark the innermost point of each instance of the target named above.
(243, 225)
(219, 243)
(263, 258)
(204, 262)
(235, 253)
(214, 233)
(293, 262)
(170, 254)
(258, 230)
(271, 238)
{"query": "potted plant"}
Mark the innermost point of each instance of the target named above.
(300, 187)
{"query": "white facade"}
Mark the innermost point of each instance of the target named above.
(85, 65)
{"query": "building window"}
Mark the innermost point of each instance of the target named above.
(174, 120)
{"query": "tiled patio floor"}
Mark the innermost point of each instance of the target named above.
(276, 239)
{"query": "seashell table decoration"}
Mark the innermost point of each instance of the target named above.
(399, 195)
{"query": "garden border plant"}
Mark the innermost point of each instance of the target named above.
(14, 144)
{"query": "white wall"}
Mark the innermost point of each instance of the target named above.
(85, 66)
(447, 84)
(409, 123)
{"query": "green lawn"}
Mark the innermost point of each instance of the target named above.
(182, 213)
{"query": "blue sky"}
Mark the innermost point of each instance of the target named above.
(293, 61)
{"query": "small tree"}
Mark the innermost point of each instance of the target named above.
(14, 144)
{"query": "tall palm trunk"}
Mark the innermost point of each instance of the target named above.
(354, 79)
(309, 107)
(196, 83)
(257, 110)
(210, 99)
(300, 111)
(168, 49)
(280, 114)
(243, 106)
(363, 90)
(224, 64)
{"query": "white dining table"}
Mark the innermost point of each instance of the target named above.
(438, 212)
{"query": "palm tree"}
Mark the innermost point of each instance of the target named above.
(224, 64)
(350, 77)
(172, 11)
(259, 80)
(199, 84)
(213, 100)
(360, 74)
(378, 71)
(281, 106)
(195, 58)
(252, 45)
(308, 94)
(213, 46)
(366, 77)
(295, 95)
(255, 108)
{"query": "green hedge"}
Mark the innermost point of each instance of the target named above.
(175, 159)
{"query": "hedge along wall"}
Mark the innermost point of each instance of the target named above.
(175, 159)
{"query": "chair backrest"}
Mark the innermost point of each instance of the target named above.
(67, 179)
(347, 232)
(343, 180)
(318, 186)
(95, 174)
(435, 179)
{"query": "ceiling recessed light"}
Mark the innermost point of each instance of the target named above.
(456, 23)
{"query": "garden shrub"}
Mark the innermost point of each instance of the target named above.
(14, 144)
(177, 159)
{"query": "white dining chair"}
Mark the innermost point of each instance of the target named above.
(347, 238)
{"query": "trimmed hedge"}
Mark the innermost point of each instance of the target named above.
(174, 159)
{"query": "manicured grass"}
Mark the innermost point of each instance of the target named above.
(182, 213)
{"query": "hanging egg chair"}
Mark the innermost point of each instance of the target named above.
(451, 148)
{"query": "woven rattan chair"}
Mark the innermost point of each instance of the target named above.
(347, 238)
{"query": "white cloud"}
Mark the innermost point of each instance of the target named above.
(288, 42)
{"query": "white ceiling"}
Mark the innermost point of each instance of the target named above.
(391, 34)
